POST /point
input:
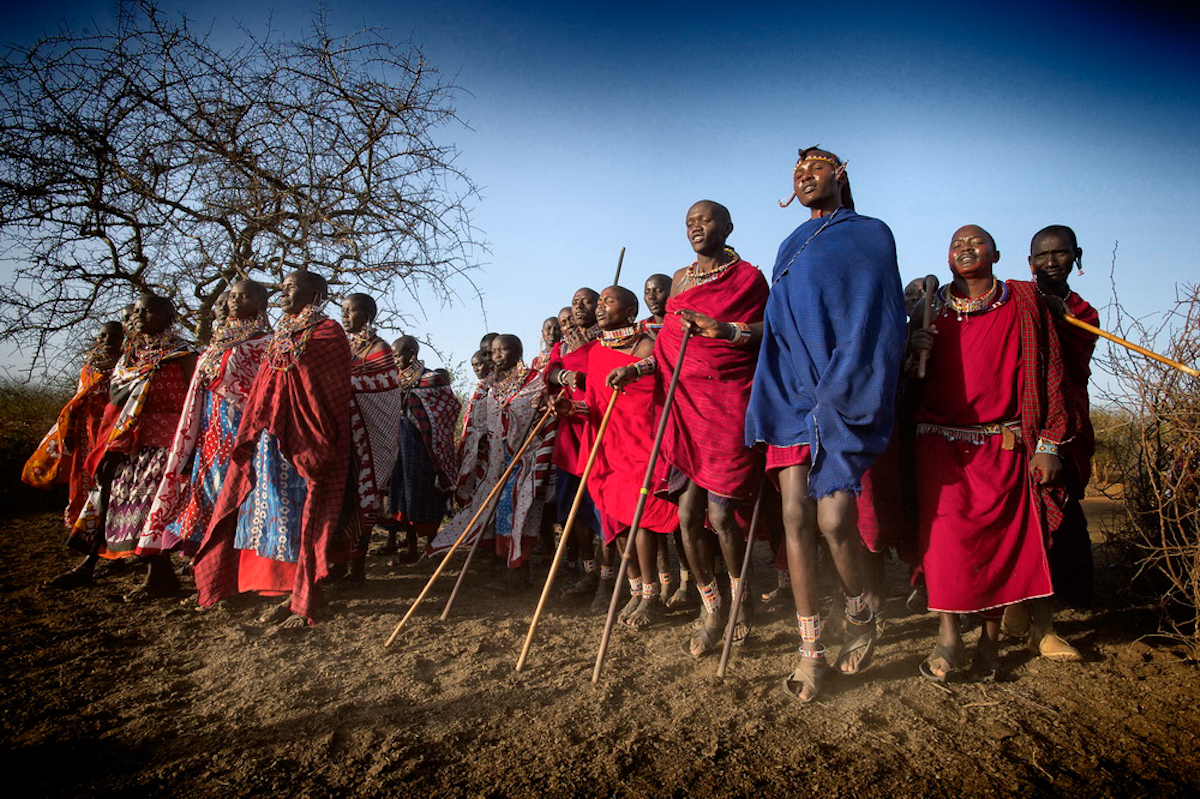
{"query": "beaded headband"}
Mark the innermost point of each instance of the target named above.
(825, 158)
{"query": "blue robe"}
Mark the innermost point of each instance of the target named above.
(833, 340)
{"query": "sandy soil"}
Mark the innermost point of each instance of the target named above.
(101, 698)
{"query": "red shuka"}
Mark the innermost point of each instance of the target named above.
(705, 436)
(616, 479)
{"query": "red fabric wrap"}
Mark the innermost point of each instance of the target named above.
(705, 437)
(1077, 348)
(982, 520)
(616, 479)
(306, 407)
(573, 439)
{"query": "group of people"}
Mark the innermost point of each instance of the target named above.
(822, 395)
(266, 459)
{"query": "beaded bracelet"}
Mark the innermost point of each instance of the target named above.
(646, 366)
(1046, 447)
(562, 376)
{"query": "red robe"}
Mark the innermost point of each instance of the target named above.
(705, 436)
(616, 479)
(982, 520)
(573, 439)
(305, 404)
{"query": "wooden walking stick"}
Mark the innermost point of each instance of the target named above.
(741, 590)
(1129, 345)
(486, 502)
(931, 285)
(643, 495)
(620, 260)
(471, 553)
(566, 533)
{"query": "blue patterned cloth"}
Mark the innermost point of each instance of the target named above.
(833, 340)
(271, 516)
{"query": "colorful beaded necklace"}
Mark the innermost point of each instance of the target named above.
(410, 375)
(621, 337)
(698, 278)
(291, 337)
(232, 332)
(505, 388)
(966, 305)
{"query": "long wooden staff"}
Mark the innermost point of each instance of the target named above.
(643, 495)
(566, 533)
(487, 501)
(741, 589)
(931, 284)
(471, 552)
(620, 260)
(1129, 344)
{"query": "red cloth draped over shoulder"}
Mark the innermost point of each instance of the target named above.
(616, 480)
(573, 439)
(705, 437)
(154, 425)
(307, 408)
(1077, 348)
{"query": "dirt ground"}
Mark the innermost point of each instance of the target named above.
(101, 698)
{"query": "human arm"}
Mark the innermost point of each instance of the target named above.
(737, 334)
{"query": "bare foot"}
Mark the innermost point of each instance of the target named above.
(277, 613)
(294, 622)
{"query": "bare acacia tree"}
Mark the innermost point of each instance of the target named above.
(147, 158)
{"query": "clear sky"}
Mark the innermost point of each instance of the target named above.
(595, 127)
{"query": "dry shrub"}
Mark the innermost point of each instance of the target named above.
(1149, 445)
(26, 413)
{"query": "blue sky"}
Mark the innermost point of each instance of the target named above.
(596, 127)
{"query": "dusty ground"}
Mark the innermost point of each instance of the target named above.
(100, 698)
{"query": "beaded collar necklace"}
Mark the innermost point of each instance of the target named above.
(987, 301)
(101, 359)
(232, 332)
(148, 349)
(621, 337)
(699, 278)
(505, 388)
(411, 374)
(291, 337)
(361, 341)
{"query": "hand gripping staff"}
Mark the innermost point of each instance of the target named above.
(485, 506)
(641, 505)
(566, 532)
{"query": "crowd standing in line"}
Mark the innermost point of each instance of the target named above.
(266, 460)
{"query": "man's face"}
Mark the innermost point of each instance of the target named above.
(611, 311)
(655, 294)
(706, 229)
(550, 331)
(583, 307)
(1052, 256)
(816, 183)
(972, 253)
(913, 293)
